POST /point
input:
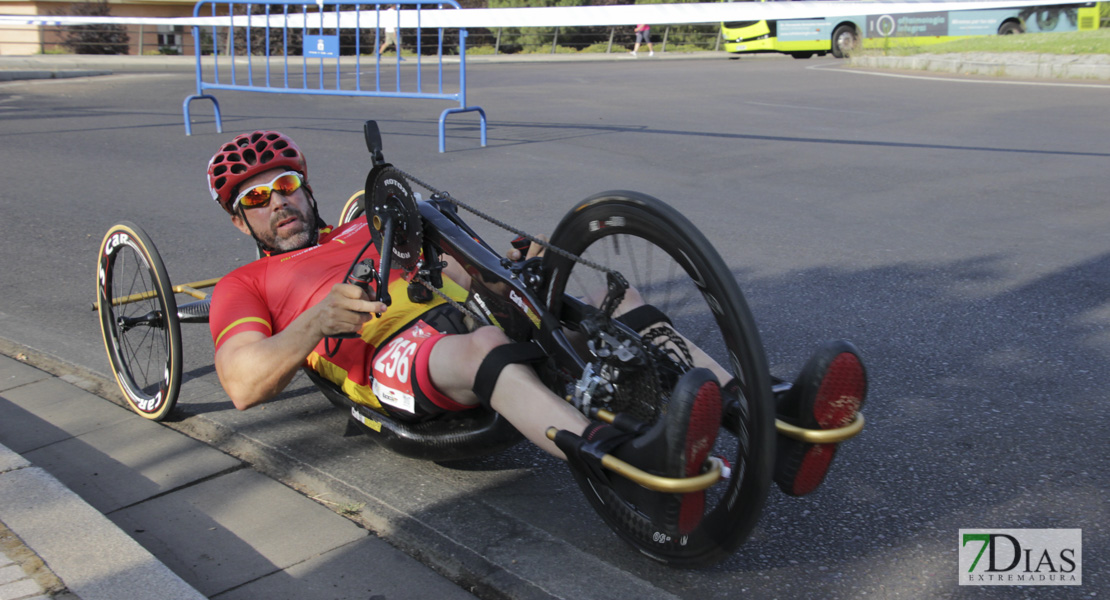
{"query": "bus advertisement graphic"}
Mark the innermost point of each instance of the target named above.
(805, 37)
(914, 24)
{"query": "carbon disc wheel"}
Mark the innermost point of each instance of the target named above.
(671, 265)
(139, 322)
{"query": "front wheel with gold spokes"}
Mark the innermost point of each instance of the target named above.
(139, 321)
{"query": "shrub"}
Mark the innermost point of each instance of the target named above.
(96, 38)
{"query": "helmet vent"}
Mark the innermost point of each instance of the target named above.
(248, 155)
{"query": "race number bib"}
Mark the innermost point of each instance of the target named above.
(393, 367)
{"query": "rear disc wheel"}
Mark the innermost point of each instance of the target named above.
(671, 265)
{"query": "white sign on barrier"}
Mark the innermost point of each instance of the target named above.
(321, 45)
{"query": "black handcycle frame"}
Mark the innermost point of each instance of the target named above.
(516, 296)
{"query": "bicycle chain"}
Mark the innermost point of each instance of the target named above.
(531, 238)
(440, 194)
(451, 301)
(443, 195)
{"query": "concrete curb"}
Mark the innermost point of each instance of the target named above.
(16, 68)
(484, 572)
(93, 63)
(1017, 65)
(15, 75)
(73, 538)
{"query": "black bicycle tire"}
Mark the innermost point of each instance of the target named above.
(723, 529)
(157, 405)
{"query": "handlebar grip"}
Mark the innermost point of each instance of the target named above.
(364, 276)
(522, 244)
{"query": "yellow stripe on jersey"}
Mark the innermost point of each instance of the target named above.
(240, 322)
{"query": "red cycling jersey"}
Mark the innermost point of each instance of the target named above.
(268, 294)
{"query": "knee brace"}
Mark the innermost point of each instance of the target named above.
(496, 361)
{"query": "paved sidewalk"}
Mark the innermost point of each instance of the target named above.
(117, 507)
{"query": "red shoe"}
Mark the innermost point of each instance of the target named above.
(676, 446)
(827, 394)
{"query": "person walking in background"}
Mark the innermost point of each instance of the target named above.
(643, 35)
(389, 19)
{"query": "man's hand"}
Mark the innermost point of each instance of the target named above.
(534, 249)
(345, 309)
(254, 367)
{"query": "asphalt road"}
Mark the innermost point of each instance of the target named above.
(954, 229)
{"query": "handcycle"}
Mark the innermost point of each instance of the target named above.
(563, 304)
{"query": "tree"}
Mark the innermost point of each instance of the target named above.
(514, 39)
(96, 38)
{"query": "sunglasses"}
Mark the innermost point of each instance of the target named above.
(259, 195)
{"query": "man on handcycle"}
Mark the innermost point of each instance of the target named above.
(412, 361)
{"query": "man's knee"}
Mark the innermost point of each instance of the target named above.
(484, 339)
(498, 352)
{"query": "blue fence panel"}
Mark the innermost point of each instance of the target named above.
(296, 45)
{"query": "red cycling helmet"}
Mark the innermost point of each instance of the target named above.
(246, 156)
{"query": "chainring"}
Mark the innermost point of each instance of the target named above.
(388, 195)
(634, 395)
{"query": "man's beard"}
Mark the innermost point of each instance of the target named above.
(294, 240)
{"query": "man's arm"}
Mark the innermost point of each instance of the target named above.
(455, 271)
(254, 367)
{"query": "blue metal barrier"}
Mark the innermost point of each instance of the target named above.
(267, 32)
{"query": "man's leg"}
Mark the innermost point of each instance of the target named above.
(519, 395)
(676, 446)
(632, 300)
